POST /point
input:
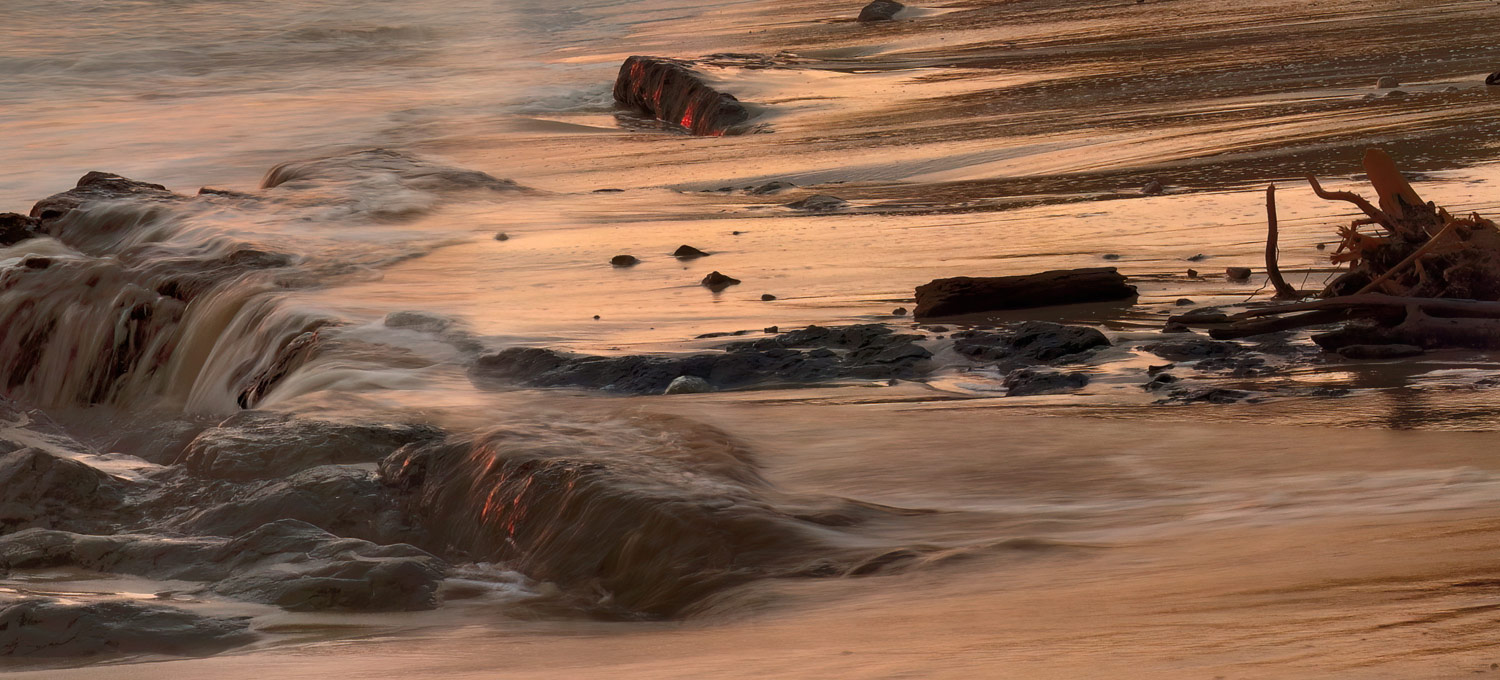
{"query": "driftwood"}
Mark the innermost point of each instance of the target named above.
(969, 295)
(1429, 280)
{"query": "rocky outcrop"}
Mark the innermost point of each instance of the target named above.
(1024, 382)
(669, 91)
(41, 627)
(1028, 342)
(813, 354)
(39, 488)
(253, 445)
(15, 227)
(969, 295)
(94, 187)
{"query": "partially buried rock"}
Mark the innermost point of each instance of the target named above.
(1387, 82)
(819, 203)
(1379, 351)
(688, 384)
(502, 236)
(1237, 273)
(967, 295)
(1494, 79)
(899, 311)
(717, 282)
(775, 187)
(1029, 381)
(687, 252)
(880, 10)
(767, 297)
(1152, 188)
(624, 260)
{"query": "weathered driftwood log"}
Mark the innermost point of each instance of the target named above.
(669, 91)
(1420, 330)
(968, 295)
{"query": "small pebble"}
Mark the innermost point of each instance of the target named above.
(1183, 301)
(624, 260)
(772, 329)
(1237, 273)
(767, 297)
(1110, 256)
(596, 317)
(899, 311)
(1192, 273)
(502, 236)
(1387, 82)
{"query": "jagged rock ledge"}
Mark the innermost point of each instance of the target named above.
(669, 91)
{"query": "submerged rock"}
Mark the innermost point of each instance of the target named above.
(15, 228)
(669, 91)
(93, 187)
(688, 384)
(717, 282)
(38, 627)
(819, 203)
(1029, 341)
(1193, 349)
(880, 10)
(1029, 381)
(967, 295)
(252, 445)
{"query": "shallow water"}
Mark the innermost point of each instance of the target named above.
(971, 533)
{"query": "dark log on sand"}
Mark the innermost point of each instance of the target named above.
(669, 91)
(968, 295)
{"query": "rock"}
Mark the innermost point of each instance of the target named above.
(1192, 273)
(771, 330)
(686, 252)
(1395, 94)
(819, 203)
(42, 489)
(1152, 188)
(624, 261)
(966, 295)
(608, 191)
(15, 227)
(1197, 258)
(1029, 381)
(880, 10)
(1493, 79)
(899, 311)
(342, 500)
(425, 322)
(1379, 351)
(37, 627)
(93, 187)
(767, 297)
(32, 262)
(1193, 350)
(1237, 273)
(669, 91)
(388, 166)
(1176, 328)
(717, 282)
(502, 236)
(252, 445)
(1028, 341)
(1181, 302)
(1387, 82)
(1109, 256)
(775, 187)
(688, 384)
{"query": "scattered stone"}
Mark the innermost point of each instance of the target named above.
(880, 10)
(669, 91)
(717, 282)
(1387, 83)
(1380, 351)
(34, 262)
(596, 317)
(1493, 79)
(1159, 381)
(624, 261)
(1322, 246)
(767, 297)
(735, 233)
(1237, 273)
(1152, 188)
(502, 236)
(1176, 328)
(819, 203)
(1193, 350)
(688, 384)
(772, 329)
(42, 627)
(967, 295)
(1153, 370)
(1192, 273)
(686, 252)
(1199, 317)
(1395, 94)
(1110, 256)
(1182, 302)
(1030, 381)
(899, 311)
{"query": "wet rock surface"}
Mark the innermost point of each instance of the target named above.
(42, 627)
(969, 295)
(40, 488)
(669, 91)
(819, 203)
(810, 355)
(1029, 341)
(1030, 381)
(15, 227)
(880, 10)
(255, 445)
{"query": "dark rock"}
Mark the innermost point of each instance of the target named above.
(15, 227)
(1237, 273)
(36, 262)
(1192, 273)
(93, 187)
(1387, 83)
(880, 10)
(1028, 381)
(686, 252)
(688, 384)
(819, 203)
(42, 489)
(899, 311)
(37, 627)
(608, 191)
(1212, 395)
(1028, 341)
(669, 91)
(772, 329)
(767, 297)
(1197, 258)
(294, 352)
(1152, 188)
(1200, 316)
(1193, 350)
(255, 445)
(1176, 328)
(1493, 79)
(1380, 351)
(1160, 381)
(1153, 370)
(717, 282)
(502, 236)
(966, 295)
(1110, 256)
(624, 260)
(1183, 302)
(400, 168)
(775, 187)
(342, 500)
